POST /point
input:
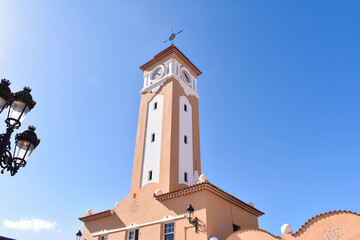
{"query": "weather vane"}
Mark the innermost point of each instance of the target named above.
(172, 36)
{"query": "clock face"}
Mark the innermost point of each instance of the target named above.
(157, 73)
(186, 76)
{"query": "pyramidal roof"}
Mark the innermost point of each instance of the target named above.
(166, 52)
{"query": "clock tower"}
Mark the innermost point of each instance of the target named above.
(169, 199)
(167, 149)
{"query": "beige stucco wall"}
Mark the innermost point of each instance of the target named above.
(221, 215)
(216, 216)
(145, 208)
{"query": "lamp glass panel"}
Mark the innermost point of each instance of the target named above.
(15, 112)
(189, 214)
(2, 103)
(21, 150)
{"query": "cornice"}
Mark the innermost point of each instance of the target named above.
(168, 51)
(97, 216)
(207, 186)
(313, 220)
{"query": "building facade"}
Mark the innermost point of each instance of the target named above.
(167, 175)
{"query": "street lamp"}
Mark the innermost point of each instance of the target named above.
(190, 216)
(20, 104)
(78, 235)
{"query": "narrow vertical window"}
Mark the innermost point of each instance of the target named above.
(104, 238)
(153, 137)
(150, 175)
(185, 177)
(169, 231)
(155, 105)
(185, 139)
(185, 107)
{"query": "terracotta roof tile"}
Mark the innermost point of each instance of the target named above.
(97, 216)
(213, 189)
(321, 216)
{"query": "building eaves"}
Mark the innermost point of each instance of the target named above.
(168, 51)
(207, 186)
(97, 216)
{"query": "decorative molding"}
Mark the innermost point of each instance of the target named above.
(156, 86)
(187, 89)
(213, 189)
(134, 225)
(97, 216)
(134, 207)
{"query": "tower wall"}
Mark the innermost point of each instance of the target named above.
(186, 166)
(152, 144)
(167, 143)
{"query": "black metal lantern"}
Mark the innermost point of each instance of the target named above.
(190, 216)
(6, 96)
(25, 143)
(78, 235)
(190, 212)
(20, 104)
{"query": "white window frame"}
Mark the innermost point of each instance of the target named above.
(128, 234)
(104, 237)
(165, 234)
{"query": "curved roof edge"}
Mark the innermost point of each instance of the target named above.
(251, 230)
(312, 220)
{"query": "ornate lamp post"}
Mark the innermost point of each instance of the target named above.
(78, 235)
(20, 104)
(190, 216)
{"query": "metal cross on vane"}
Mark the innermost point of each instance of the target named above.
(172, 36)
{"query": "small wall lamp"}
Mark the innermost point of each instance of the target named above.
(78, 235)
(190, 216)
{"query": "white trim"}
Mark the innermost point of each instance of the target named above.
(135, 226)
(186, 156)
(156, 86)
(152, 143)
(172, 68)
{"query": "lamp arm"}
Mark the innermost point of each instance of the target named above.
(194, 222)
(6, 161)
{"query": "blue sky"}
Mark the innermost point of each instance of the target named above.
(279, 103)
